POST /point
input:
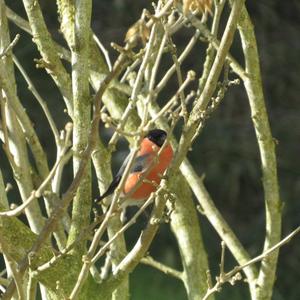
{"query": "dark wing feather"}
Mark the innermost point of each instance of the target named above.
(111, 188)
(138, 166)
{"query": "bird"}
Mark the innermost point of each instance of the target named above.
(148, 163)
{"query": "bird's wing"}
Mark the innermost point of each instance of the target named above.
(139, 165)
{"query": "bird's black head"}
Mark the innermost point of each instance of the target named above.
(157, 136)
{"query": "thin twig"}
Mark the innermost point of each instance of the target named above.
(149, 261)
(37, 193)
(236, 67)
(189, 78)
(83, 235)
(177, 66)
(222, 261)
(104, 51)
(181, 58)
(31, 288)
(227, 277)
(137, 85)
(17, 277)
(17, 20)
(39, 98)
(34, 194)
(24, 25)
(47, 49)
(122, 230)
(211, 51)
(176, 111)
(5, 135)
(6, 51)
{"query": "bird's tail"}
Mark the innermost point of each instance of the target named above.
(110, 189)
(107, 193)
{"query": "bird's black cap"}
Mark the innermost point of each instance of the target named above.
(157, 136)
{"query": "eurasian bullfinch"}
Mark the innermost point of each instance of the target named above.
(146, 163)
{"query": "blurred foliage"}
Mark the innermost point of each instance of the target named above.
(226, 152)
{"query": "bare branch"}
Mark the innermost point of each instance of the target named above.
(17, 277)
(68, 196)
(35, 194)
(47, 49)
(181, 58)
(104, 52)
(266, 143)
(230, 276)
(38, 97)
(8, 49)
(204, 30)
(80, 51)
(149, 261)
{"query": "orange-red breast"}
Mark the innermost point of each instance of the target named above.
(148, 163)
